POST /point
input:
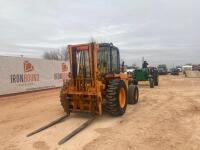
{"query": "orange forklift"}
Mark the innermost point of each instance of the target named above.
(96, 84)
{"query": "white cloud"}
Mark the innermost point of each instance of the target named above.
(138, 28)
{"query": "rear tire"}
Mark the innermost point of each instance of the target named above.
(133, 94)
(151, 82)
(116, 97)
(156, 81)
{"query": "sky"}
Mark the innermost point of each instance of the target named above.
(161, 31)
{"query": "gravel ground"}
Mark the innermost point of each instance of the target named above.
(166, 118)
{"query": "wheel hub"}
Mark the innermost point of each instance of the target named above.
(122, 98)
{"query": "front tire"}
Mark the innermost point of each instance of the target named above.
(116, 97)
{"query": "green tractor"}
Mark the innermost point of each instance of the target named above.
(146, 74)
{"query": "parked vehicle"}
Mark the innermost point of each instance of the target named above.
(162, 69)
(146, 74)
(174, 71)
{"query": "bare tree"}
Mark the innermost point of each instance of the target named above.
(92, 40)
(64, 54)
(59, 54)
(46, 55)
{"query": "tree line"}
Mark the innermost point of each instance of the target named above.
(58, 54)
(62, 53)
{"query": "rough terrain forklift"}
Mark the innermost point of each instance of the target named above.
(95, 83)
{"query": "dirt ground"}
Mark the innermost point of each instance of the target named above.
(166, 118)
